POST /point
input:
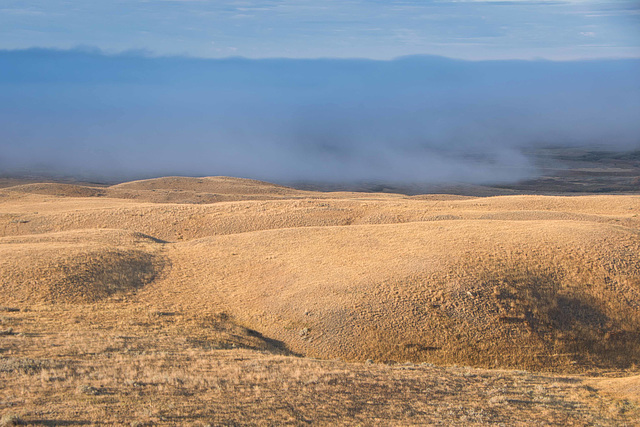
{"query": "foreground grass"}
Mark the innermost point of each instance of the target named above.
(118, 363)
(141, 304)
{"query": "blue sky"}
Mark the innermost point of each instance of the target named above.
(379, 29)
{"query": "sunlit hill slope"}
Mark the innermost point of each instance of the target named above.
(512, 281)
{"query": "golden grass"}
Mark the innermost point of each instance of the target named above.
(117, 363)
(76, 266)
(425, 291)
(132, 309)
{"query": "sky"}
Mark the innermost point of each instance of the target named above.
(313, 91)
(375, 29)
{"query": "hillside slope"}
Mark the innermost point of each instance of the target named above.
(512, 281)
(529, 294)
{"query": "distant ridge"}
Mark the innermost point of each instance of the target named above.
(210, 184)
(58, 189)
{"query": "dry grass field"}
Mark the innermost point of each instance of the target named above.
(223, 301)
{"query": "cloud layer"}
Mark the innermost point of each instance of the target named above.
(415, 119)
(380, 29)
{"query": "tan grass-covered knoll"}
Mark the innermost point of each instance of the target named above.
(489, 293)
(76, 266)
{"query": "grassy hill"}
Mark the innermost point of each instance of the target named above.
(204, 287)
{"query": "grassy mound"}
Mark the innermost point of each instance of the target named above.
(538, 294)
(206, 190)
(75, 266)
(215, 184)
(57, 189)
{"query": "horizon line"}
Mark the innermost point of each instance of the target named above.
(149, 54)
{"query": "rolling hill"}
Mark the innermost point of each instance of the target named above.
(537, 283)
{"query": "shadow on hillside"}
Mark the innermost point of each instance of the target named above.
(275, 346)
(571, 313)
(568, 321)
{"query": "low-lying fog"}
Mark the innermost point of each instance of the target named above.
(411, 120)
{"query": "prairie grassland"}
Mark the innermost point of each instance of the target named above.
(224, 301)
(114, 363)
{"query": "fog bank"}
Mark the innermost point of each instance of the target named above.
(411, 120)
